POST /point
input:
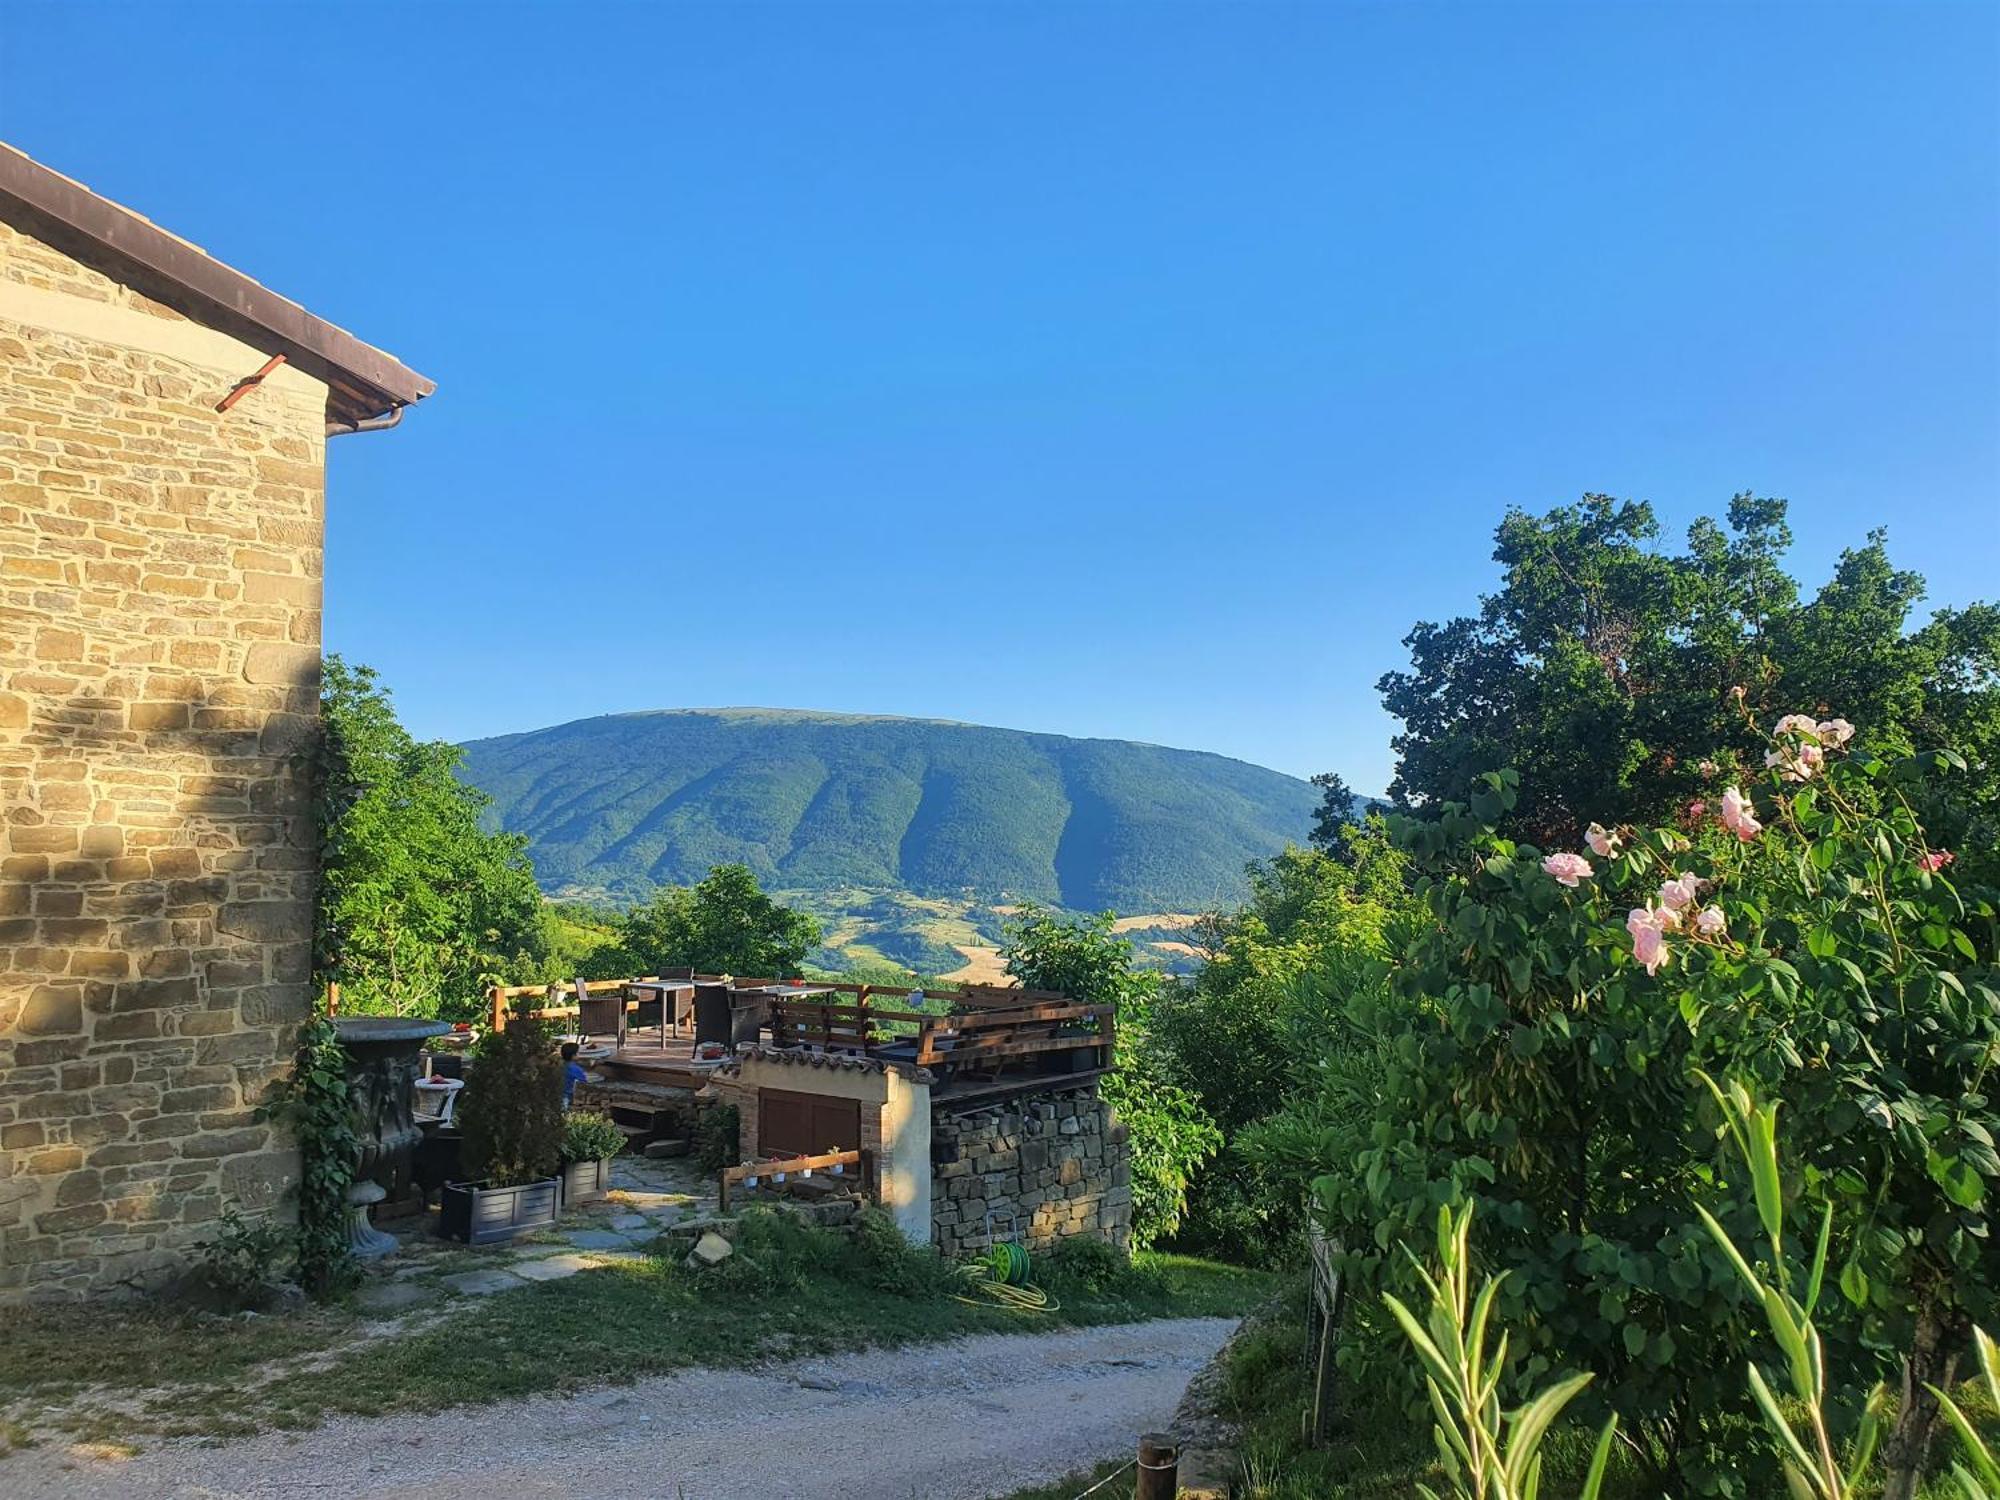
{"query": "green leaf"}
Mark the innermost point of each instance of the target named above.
(1961, 1184)
(1854, 1283)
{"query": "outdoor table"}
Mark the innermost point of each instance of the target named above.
(676, 997)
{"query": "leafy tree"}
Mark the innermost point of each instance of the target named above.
(1169, 1132)
(418, 907)
(724, 924)
(1603, 669)
(1252, 1026)
(1334, 820)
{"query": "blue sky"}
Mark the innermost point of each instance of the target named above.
(1124, 370)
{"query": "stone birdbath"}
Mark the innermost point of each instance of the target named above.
(381, 1074)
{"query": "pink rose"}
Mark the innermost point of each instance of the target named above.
(1649, 943)
(1796, 762)
(1602, 844)
(1567, 868)
(1937, 859)
(1834, 731)
(1708, 768)
(1710, 921)
(1680, 892)
(1798, 724)
(1737, 816)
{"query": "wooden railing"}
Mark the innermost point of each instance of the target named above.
(833, 1162)
(990, 1025)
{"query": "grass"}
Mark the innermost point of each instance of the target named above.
(790, 1291)
(1381, 1451)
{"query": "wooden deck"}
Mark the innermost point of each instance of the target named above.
(993, 1041)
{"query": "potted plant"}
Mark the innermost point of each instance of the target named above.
(589, 1142)
(510, 1116)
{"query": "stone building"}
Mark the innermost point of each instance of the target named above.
(163, 427)
(1046, 1163)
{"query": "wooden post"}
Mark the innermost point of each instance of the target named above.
(332, 998)
(1159, 1468)
(499, 1008)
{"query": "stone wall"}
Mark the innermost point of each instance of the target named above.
(159, 657)
(1038, 1169)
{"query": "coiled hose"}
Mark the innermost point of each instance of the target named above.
(1000, 1277)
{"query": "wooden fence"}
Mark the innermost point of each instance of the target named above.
(834, 1163)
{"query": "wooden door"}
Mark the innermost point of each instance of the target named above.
(793, 1124)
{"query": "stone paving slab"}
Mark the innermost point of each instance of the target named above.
(555, 1267)
(598, 1239)
(392, 1296)
(480, 1283)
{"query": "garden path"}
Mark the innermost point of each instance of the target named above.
(646, 1197)
(959, 1421)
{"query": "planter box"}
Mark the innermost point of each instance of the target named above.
(583, 1181)
(474, 1214)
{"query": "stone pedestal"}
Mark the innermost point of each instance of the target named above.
(381, 1068)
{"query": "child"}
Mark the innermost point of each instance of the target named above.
(573, 1073)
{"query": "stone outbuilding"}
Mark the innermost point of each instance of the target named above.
(163, 428)
(1044, 1163)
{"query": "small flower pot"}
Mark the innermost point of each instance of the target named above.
(583, 1181)
(474, 1214)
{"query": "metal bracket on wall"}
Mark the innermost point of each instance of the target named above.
(249, 383)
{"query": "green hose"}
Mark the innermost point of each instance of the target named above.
(1001, 1276)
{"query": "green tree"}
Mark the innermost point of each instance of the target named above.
(1171, 1135)
(1604, 669)
(1334, 820)
(724, 924)
(418, 907)
(1250, 1028)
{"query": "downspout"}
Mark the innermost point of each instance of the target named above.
(390, 418)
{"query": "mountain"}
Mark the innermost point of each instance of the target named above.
(617, 805)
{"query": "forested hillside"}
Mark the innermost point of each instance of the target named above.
(618, 805)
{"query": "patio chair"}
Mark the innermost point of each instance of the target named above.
(600, 1015)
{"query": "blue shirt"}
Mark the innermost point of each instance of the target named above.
(572, 1076)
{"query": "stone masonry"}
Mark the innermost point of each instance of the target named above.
(159, 659)
(1038, 1169)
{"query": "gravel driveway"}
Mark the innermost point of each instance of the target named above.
(958, 1421)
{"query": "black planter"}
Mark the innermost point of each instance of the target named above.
(439, 1158)
(474, 1214)
(583, 1181)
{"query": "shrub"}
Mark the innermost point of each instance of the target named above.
(590, 1137)
(1089, 1264)
(718, 1137)
(888, 1262)
(511, 1110)
(242, 1264)
(1537, 1038)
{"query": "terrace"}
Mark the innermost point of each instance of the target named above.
(981, 1042)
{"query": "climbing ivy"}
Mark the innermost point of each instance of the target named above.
(313, 1102)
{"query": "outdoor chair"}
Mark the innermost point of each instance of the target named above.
(600, 1015)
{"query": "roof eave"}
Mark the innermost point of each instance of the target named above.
(362, 380)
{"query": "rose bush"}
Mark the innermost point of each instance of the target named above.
(1537, 1042)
